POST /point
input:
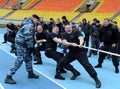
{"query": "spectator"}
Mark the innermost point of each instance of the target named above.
(95, 37)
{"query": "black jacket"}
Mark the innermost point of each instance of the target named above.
(109, 34)
(95, 32)
(86, 28)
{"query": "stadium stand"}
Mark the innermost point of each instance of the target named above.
(4, 12)
(12, 3)
(60, 6)
(109, 6)
(32, 3)
(98, 6)
(3, 2)
(118, 20)
(48, 9)
(46, 15)
(76, 8)
(29, 2)
(103, 10)
(91, 16)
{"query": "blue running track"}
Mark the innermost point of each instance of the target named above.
(109, 79)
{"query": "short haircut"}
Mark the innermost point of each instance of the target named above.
(36, 16)
(63, 17)
(115, 22)
(97, 21)
(107, 19)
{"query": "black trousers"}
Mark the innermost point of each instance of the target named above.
(119, 48)
(86, 39)
(37, 54)
(50, 53)
(12, 40)
(95, 43)
(57, 56)
(103, 55)
(5, 37)
(82, 59)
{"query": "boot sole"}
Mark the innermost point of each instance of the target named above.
(9, 82)
(60, 78)
(75, 76)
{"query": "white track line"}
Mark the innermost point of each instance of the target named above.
(36, 70)
(1, 87)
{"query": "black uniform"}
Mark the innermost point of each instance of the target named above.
(77, 53)
(51, 52)
(108, 35)
(40, 46)
(5, 38)
(11, 35)
(119, 42)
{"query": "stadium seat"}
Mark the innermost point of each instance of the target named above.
(60, 6)
(32, 3)
(46, 15)
(12, 3)
(4, 12)
(109, 6)
(118, 20)
(27, 4)
(91, 16)
(3, 2)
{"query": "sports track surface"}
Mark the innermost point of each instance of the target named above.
(109, 79)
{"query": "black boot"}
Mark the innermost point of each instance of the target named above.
(116, 69)
(75, 74)
(63, 71)
(9, 80)
(4, 42)
(58, 76)
(98, 65)
(12, 51)
(38, 61)
(32, 75)
(97, 81)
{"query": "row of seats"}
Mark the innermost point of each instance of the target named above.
(27, 4)
(47, 10)
(118, 20)
(12, 3)
(4, 12)
(60, 6)
(100, 2)
(3, 2)
(33, 3)
(109, 6)
(46, 15)
(91, 16)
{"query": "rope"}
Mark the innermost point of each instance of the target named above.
(102, 51)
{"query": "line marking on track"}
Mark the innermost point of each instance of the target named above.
(35, 70)
(1, 87)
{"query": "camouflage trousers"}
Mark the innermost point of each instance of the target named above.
(23, 55)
